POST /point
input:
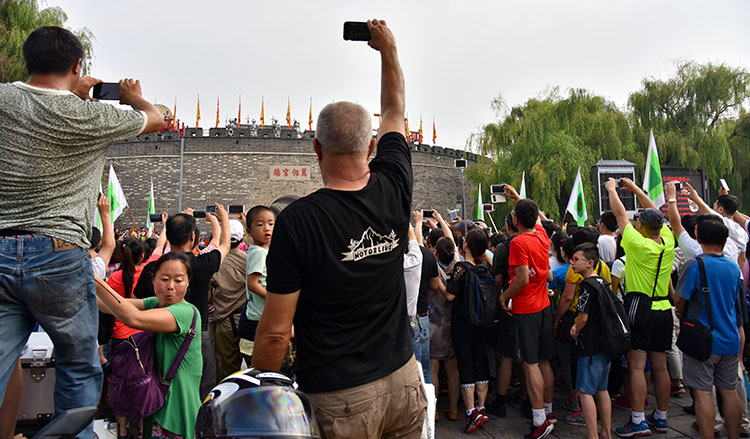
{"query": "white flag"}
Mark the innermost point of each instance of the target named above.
(115, 195)
(480, 205)
(652, 183)
(577, 202)
(150, 210)
(523, 185)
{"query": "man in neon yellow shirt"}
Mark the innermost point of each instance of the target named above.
(650, 250)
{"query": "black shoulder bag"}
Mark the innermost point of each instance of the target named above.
(638, 304)
(695, 339)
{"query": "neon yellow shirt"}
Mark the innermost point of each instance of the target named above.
(641, 264)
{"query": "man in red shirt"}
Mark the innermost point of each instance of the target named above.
(532, 313)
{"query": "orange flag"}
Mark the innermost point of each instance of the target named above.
(262, 118)
(198, 112)
(174, 116)
(239, 113)
(434, 132)
(408, 134)
(217, 111)
(420, 128)
(309, 120)
(288, 113)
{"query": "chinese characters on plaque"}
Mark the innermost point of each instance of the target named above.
(283, 172)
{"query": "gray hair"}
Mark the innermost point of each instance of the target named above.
(344, 128)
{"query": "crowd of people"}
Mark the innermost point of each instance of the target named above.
(355, 302)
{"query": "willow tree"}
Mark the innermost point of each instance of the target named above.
(700, 119)
(18, 18)
(549, 138)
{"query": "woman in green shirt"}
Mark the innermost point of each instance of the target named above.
(171, 317)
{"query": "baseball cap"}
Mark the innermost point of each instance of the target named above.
(236, 230)
(464, 225)
(650, 217)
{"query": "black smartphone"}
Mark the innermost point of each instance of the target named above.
(488, 207)
(497, 188)
(199, 214)
(107, 91)
(426, 214)
(236, 208)
(356, 31)
(154, 217)
(620, 184)
(678, 186)
(211, 209)
(459, 163)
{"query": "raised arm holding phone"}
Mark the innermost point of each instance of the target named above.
(363, 341)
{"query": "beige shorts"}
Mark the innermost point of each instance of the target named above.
(392, 406)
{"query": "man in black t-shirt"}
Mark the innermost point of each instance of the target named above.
(182, 237)
(335, 269)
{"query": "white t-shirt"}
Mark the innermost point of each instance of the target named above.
(618, 271)
(412, 276)
(607, 248)
(100, 269)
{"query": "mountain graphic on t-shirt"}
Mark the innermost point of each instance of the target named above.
(370, 244)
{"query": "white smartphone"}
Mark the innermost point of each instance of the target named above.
(724, 184)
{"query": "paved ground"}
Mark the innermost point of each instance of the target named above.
(515, 425)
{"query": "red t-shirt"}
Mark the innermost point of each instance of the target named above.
(120, 331)
(531, 249)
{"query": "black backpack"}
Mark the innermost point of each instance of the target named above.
(614, 338)
(481, 303)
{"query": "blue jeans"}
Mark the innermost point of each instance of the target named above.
(55, 289)
(421, 343)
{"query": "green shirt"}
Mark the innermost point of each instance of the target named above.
(183, 400)
(256, 263)
(641, 264)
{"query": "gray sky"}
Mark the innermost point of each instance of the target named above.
(456, 56)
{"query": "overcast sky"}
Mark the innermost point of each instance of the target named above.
(456, 55)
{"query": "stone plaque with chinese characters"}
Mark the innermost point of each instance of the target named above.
(284, 172)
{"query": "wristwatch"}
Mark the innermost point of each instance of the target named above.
(672, 200)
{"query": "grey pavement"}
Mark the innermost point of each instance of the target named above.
(515, 425)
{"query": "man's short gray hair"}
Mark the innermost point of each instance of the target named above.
(344, 128)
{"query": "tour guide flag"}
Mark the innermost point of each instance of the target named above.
(115, 195)
(262, 118)
(577, 203)
(652, 177)
(523, 185)
(197, 115)
(150, 210)
(480, 205)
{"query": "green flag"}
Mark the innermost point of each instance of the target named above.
(522, 194)
(116, 195)
(577, 202)
(150, 210)
(652, 183)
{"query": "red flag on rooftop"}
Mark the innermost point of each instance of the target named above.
(309, 120)
(174, 116)
(288, 113)
(239, 113)
(434, 132)
(262, 118)
(217, 111)
(198, 112)
(420, 128)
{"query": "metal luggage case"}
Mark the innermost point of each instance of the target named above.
(38, 368)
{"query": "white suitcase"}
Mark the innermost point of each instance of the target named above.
(38, 367)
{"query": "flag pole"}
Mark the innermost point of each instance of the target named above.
(131, 217)
(493, 221)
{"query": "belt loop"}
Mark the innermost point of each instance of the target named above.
(19, 251)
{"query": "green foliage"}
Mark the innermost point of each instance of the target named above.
(18, 18)
(699, 118)
(550, 138)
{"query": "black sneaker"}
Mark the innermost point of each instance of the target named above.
(473, 421)
(539, 432)
(497, 408)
